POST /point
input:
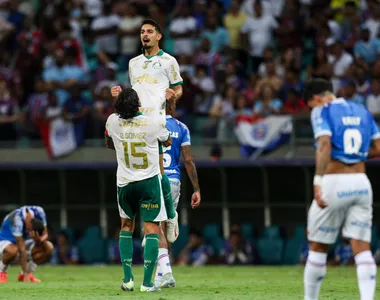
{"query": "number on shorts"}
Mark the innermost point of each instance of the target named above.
(167, 158)
(352, 140)
(133, 146)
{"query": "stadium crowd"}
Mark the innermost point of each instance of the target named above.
(239, 59)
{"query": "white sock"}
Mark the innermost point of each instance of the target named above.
(32, 266)
(315, 271)
(158, 275)
(3, 267)
(366, 272)
(163, 261)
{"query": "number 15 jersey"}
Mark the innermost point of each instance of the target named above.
(351, 127)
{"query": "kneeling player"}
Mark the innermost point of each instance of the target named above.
(134, 137)
(180, 144)
(24, 238)
(346, 134)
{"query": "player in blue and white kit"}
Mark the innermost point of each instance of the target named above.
(346, 136)
(180, 145)
(24, 237)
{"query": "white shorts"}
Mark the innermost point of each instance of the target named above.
(175, 185)
(349, 205)
(29, 244)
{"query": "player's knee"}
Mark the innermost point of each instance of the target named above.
(318, 247)
(11, 251)
(359, 246)
(127, 225)
(49, 248)
(151, 228)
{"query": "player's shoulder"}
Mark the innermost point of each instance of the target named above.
(112, 117)
(136, 59)
(168, 57)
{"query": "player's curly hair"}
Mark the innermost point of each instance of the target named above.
(127, 104)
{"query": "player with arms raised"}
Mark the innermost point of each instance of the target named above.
(155, 77)
(24, 237)
(346, 135)
(134, 137)
(180, 144)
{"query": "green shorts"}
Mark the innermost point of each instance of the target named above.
(146, 196)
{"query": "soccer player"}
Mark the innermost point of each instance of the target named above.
(24, 237)
(180, 144)
(346, 134)
(155, 77)
(134, 137)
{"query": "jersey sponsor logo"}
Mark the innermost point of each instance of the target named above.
(327, 229)
(146, 78)
(174, 73)
(174, 134)
(362, 225)
(351, 121)
(260, 131)
(149, 206)
(352, 193)
(169, 171)
(157, 65)
(146, 63)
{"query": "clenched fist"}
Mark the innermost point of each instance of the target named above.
(115, 91)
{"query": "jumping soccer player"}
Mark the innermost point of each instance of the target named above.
(134, 137)
(24, 238)
(180, 144)
(346, 135)
(155, 77)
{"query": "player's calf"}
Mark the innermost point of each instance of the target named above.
(9, 254)
(150, 254)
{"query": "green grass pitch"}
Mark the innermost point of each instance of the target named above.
(200, 283)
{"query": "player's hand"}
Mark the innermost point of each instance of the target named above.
(318, 196)
(35, 236)
(195, 200)
(115, 91)
(169, 94)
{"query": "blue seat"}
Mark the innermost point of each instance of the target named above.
(374, 239)
(181, 241)
(247, 231)
(270, 250)
(92, 247)
(211, 232)
(292, 252)
(272, 231)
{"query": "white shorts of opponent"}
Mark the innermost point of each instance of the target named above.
(175, 185)
(349, 206)
(29, 244)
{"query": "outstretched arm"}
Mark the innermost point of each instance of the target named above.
(322, 159)
(193, 175)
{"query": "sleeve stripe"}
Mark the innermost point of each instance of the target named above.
(185, 144)
(177, 83)
(376, 136)
(322, 133)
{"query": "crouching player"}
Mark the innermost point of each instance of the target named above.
(24, 239)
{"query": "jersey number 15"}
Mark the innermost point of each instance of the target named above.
(130, 149)
(352, 141)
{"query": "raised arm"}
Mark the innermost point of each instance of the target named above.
(191, 171)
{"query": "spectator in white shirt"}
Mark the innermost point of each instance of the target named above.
(270, 7)
(259, 32)
(182, 30)
(129, 30)
(105, 28)
(373, 100)
(373, 23)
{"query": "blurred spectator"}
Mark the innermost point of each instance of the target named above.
(105, 28)
(237, 252)
(67, 42)
(217, 35)
(350, 93)
(242, 110)
(92, 53)
(294, 104)
(113, 249)
(206, 86)
(205, 56)
(16, 18)
(224, 106)
(250, 92)
(234, 21)
(182, 29)
(272, 78)
(373, 22)
(343, 254)
(373, 100)
(365, 48)
(33, 37)
(258, 32)
(267, 104)
(269, 55)
(248, 7)
(64, 253)
(129, 33)
(195, 253)
(8, 113)
(363, 85)
(292, 82)
(103, 109)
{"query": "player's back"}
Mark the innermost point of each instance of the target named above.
(136, 146)
(180, 137)
(350, 126)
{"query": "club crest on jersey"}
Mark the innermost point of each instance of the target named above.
(145, 65)
(260, 131)
(157, 65)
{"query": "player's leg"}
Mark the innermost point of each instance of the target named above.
(357, 227)
(323, 228)
(152, 209)
(8, 253)
(127, 209)
(164, 274)
(37, 255)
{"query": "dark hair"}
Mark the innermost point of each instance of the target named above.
(315, 87)
(38, 226)
(170, 107)
(127, 104)
(153, 23)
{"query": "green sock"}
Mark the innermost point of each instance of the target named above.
(166, 190)
(150, 258)
(126, 253)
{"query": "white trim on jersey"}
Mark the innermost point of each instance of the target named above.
(375, 136)
(322, 133)
(185, 144)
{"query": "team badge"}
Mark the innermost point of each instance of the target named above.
(157, 65)
(145, 65)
